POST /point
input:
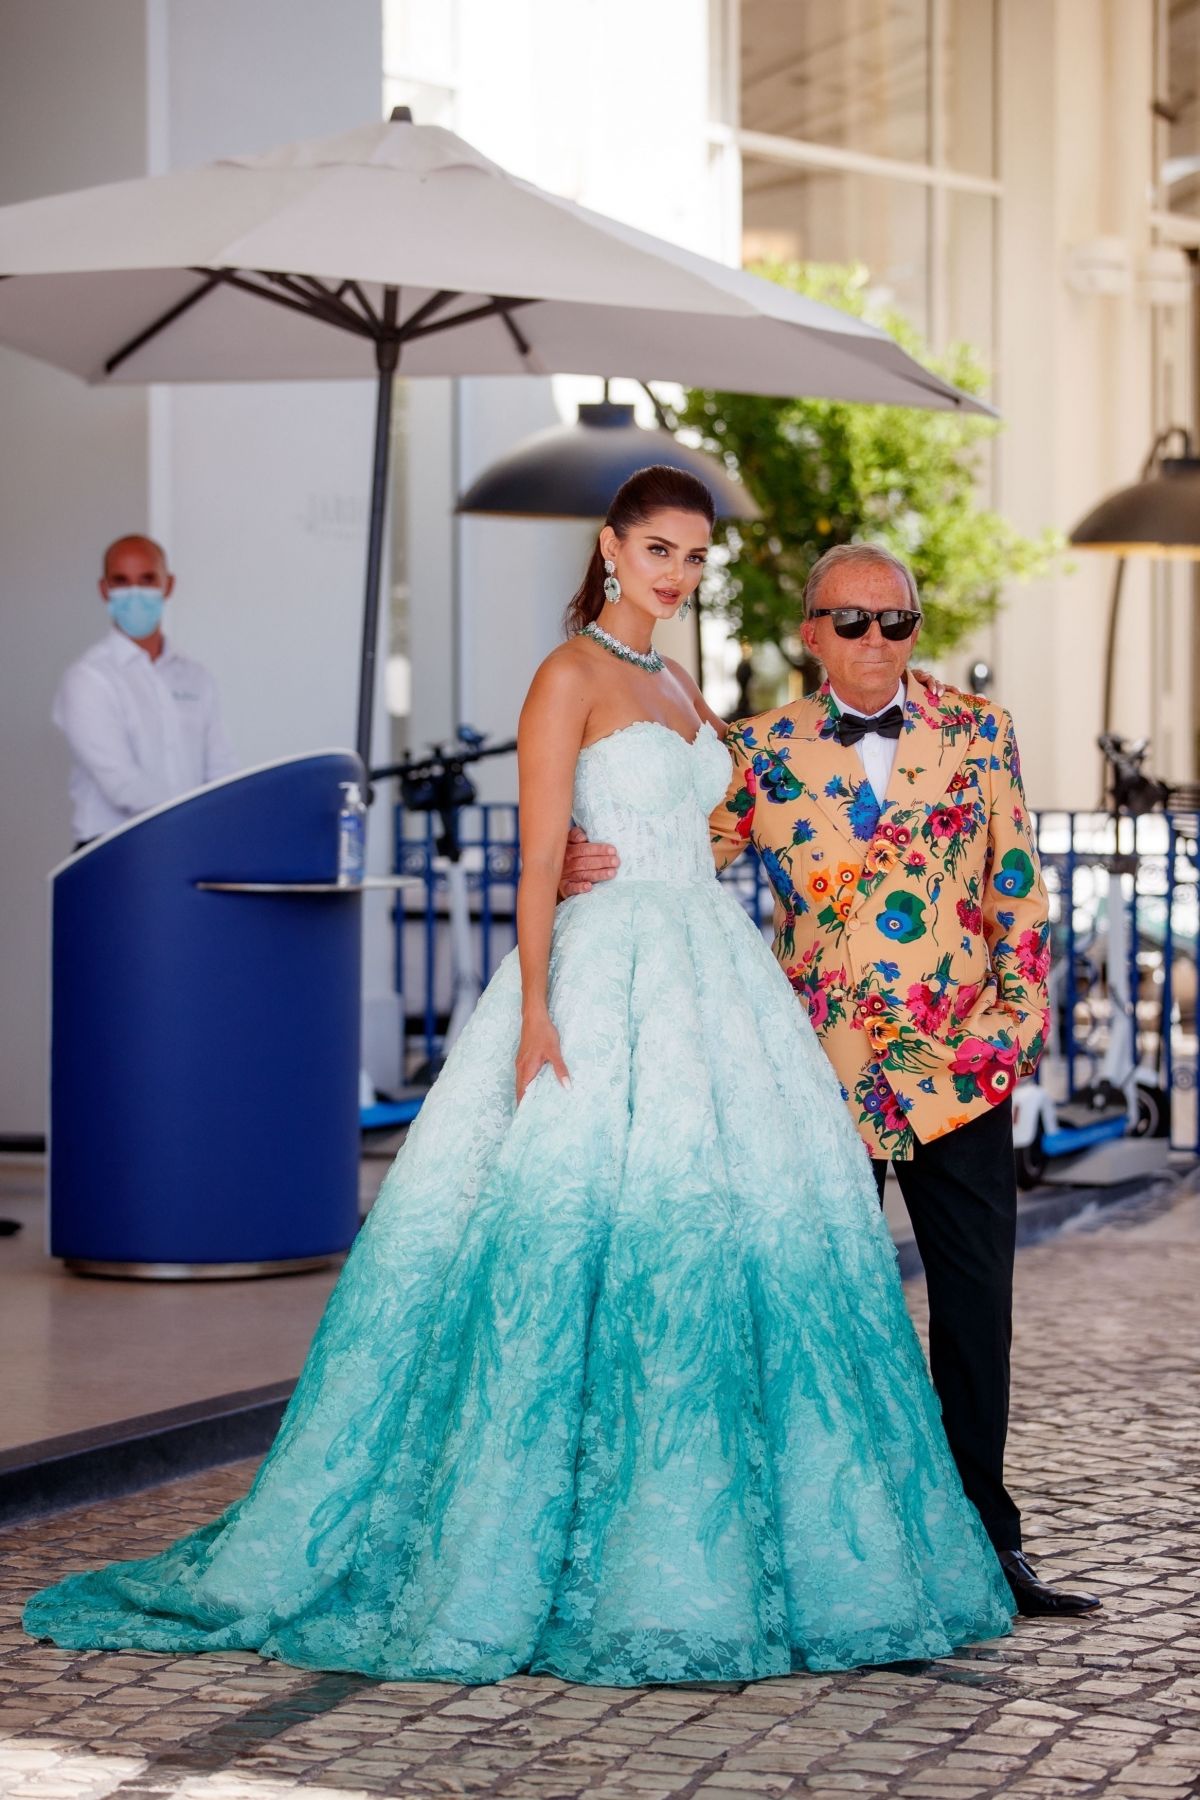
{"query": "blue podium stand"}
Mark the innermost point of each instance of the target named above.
(205, 971)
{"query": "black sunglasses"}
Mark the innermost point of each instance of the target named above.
(855, 621)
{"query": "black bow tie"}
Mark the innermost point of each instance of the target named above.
(851, 727)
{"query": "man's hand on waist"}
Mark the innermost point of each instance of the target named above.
(585, 863)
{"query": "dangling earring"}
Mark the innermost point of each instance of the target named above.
(612, 587)
(686, 608)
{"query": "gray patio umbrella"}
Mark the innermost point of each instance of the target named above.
(399, 246)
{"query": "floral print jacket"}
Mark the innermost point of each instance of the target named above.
(916, 933)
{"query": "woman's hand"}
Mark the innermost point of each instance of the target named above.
(936, 686)
(539, 1045)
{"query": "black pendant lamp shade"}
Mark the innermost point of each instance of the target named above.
(1158, 515)
(573, 471)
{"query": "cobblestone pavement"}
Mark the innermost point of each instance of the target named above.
(1104, 1454)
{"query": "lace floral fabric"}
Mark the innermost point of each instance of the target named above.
(618, 1384)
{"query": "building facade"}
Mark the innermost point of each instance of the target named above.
(1011, 172)
(1021, 173)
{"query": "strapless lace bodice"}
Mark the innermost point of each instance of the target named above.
(648, 792)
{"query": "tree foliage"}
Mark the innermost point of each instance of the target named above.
(826, 472)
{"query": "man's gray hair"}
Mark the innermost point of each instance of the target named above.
(843, 555)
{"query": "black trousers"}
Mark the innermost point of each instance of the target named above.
(961, 1195)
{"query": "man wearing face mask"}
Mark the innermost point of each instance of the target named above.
(142, 720)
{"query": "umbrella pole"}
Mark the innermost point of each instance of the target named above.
(387, 355)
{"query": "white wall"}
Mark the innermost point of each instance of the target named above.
(259, 491)
(74, 476)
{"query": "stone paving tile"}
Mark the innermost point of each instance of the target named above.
(1105, 1453)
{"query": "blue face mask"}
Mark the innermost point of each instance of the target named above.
(138, 611)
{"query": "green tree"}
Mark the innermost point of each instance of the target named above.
(826, 472)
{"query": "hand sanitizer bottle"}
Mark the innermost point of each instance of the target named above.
(352, 837)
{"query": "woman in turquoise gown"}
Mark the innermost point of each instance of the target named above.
(617, 1383)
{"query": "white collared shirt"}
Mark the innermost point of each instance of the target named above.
(141, 731)
(877, 754)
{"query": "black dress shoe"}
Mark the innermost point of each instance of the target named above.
(1034, 1599)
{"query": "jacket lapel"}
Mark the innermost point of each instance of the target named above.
(833, 773)
(931, 747)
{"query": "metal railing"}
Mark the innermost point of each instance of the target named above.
(1149, 866)
(488, 834)
(1152, 861)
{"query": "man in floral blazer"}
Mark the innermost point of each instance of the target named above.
(915, 931)
(911, 920)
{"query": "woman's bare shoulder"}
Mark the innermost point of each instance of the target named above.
(563, 682)
(569, 665)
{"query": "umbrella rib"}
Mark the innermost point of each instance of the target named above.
(368, 311)
(160, 324)
(311, 292)
(310, 308)
(412, 325)
(314, 301)
(514, 331)
(490, 310)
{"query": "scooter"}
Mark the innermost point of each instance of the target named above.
(1126, 1099)
(1045, 1129)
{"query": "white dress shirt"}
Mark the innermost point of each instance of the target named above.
(141, 731)
(876, 754)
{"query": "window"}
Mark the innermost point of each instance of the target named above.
(838, 216)
(866, 133)
(853, 76)
(1177, 105)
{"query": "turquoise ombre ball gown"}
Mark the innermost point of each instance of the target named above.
(618, 1384)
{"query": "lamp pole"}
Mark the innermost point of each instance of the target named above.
(1159, 514)
(1118, 583)
(1110, 643)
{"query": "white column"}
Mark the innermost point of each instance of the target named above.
(1075, 377)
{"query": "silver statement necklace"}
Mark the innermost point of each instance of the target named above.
(649, 660)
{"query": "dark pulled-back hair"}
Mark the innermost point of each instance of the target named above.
(648, 491)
